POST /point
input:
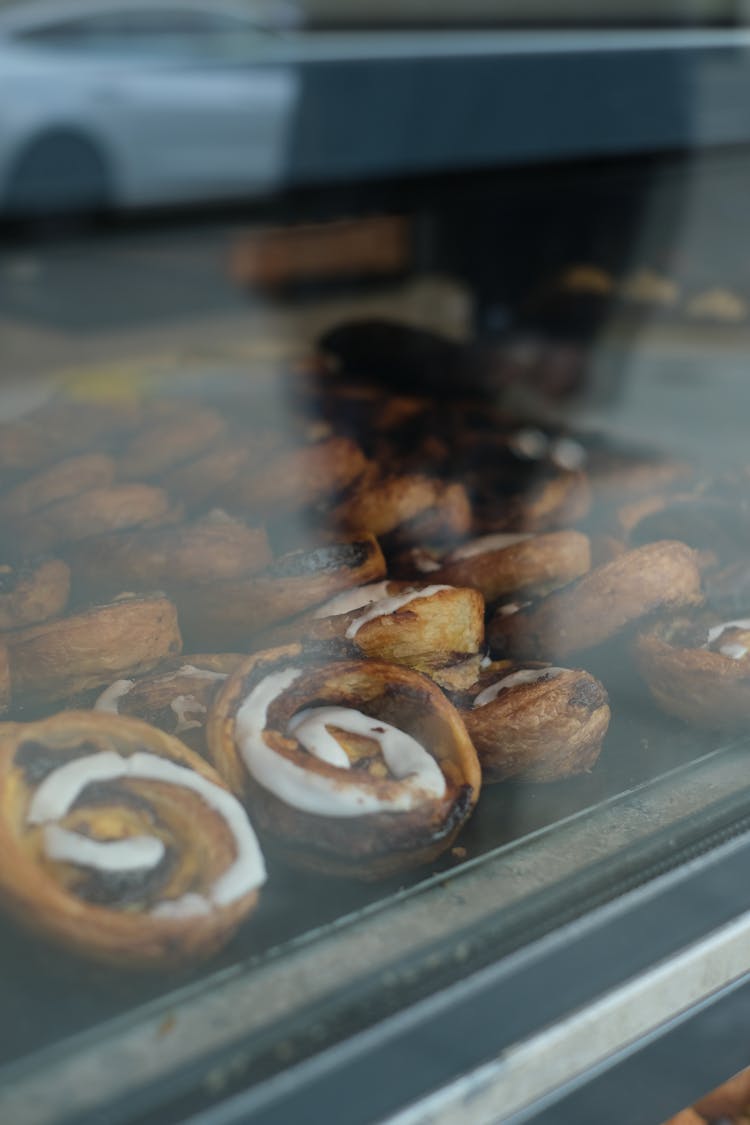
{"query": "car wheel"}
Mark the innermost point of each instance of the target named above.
(58, 173)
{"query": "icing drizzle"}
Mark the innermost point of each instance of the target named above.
(524, 676)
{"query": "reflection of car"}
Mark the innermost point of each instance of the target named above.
(135, 104)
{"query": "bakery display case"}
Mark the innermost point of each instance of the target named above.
(375, 609)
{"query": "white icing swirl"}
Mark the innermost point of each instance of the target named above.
(110, 698)
(133, 853)
(60, 789)
(383, 607)
(487, 543)
(350, 600)
(717, 630)
(524, 676)
(312, 792)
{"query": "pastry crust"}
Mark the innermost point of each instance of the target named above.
(694, 679)
(72, 655)
(172, 804)
(410, 507)
(215, 548)
(659, 576)
(96, 512)
(430, 628)
(67, 478)
(544, 724)
(175, 697)
(33, 593)
(549, 502)
(179, 431)
(5, 685)
(533, 565)
(230, 614)
(369, 840)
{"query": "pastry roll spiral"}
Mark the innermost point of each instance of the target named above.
(33, 593)
(535, 722)
(354, 767)
(119, 843)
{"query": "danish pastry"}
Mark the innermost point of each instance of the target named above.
(659, 576)
(535, 722)
(353, 767)
(119, 843)
(33, 593)
(69, 656)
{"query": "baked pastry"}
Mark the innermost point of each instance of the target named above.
(176, 432)
(230, 614)
(198, 482)
(352, 767)
(535, 722)
(119, 843)
(659, 576)
(33, 593)
(66, 478)
(541, 500)
(697, 667)
(5, 686)
(515, 562)
(72, 655)
(211, 549)
(407, 508)
(175, 697)
(433, 628)
(100, 510)
(709, 523)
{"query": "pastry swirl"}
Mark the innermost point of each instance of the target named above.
(119, 842)
(33, 593)
(354, 767)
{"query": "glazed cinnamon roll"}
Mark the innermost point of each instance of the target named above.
(96, 512)
(175, 697)
(230, 614)
(66, 478)
(353, 767)
(697, 667)
(535, 722)
(212, 549)
(69, 656)
(119, 843)
(659, 576)
(436, 629)
(33, 593)
(176, 432)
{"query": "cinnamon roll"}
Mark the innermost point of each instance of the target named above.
(535, 722)
(697, 667)
(230, 614)
(353, 767)
(119, 843)
(659, 576)
(5, 687)
(33, 593)
(66, 478)
(407, 508)
(176, 432)
(69, 656)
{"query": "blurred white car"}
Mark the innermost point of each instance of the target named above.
(131, 104)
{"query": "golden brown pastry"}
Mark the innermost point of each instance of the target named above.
(296, 478)
(175, 697)
(353, 767)
(214, 548)
(535, 722)
(230, 614)
(66, 478)
(659, 576)
(516, 563)
(72, 655)
(431, 628)
(100, 510)
(697, 667)
(175, 432)
(32, 593)
(119, 843)
(410, 507)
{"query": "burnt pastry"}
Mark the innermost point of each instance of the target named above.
(66, 478)
(69, 656)
(33, 593)
(697, 667)
(230, 614)
(514, 563)
(96, 512)
(212, 549)
(175, 697)
(409, 507)
(352, 767)
(535, 722)
(435, 628)
(177, 431)
(296, 478)
(659, 576)
(119, 843)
